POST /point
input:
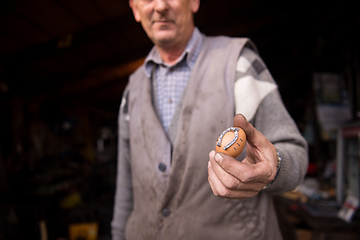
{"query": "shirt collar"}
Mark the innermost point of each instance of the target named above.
(190, 53)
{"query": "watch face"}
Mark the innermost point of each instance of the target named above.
(231, 141)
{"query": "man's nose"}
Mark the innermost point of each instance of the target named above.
(161, 5)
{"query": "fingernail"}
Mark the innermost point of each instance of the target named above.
(218, 158)
(244, 117)
(209, 164)
(211, 154)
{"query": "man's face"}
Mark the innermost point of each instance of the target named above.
(167, 23)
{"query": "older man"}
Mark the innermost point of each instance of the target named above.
(190, 88)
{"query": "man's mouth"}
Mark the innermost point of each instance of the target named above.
(162, 21)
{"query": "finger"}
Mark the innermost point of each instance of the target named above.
(259, 173)
(226, 179)
(211, 178)
(220, 190)
(259, 148)
(211, 175)
(241, 121)
(253, 136)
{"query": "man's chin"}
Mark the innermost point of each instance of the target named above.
(164, 39)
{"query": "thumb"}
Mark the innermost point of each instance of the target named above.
(253, 136)
(259, 147)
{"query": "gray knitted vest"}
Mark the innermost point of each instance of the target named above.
(178, 203)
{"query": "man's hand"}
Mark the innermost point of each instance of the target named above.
(240, 180)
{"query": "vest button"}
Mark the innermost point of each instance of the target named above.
(166, 212)
(162, 167)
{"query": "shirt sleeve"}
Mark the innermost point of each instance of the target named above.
(258, 99)
(123, 204)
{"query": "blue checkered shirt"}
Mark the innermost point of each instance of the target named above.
(171, 80)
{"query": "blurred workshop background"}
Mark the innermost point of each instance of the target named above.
(64, 65)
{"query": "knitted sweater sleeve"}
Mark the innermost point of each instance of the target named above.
(258, 99)
(123, 204)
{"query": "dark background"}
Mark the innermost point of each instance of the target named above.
(64, 65)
